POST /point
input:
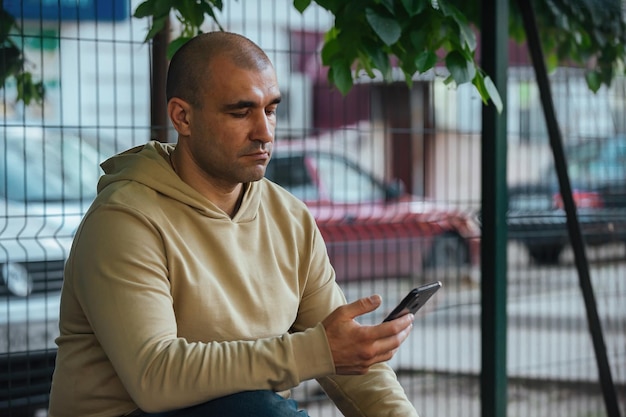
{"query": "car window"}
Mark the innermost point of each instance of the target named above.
(50, 169)
(345, 182)
(290, 171)
(598, 162)
(315, 176)
(594, 162)
(530, 201)
(606, 171)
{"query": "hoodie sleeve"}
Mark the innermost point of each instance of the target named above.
(375, 394)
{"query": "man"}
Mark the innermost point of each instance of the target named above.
(197, 287)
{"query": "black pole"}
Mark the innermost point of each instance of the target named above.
(576, 237)
(494, 60)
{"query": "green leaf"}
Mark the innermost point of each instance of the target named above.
(158, 23)
(552, 61)
(301, 5)
(27, 90)
(594, 80)
(493, 93)
(387, 29)
(208, 9)
(389, 5)
(461, 70)
(408, 79)
(218, 4)
(425, 61)
(468, 36)
(162, 7)
(11, 62)
(145, 9)
(340, 74)
(331, 5)
(191, 11)
(418, 38)
(378, 57)
(7, 22)
(175, 45)
(330, 50)
(414, 7)
(364, 63)
(154, 8)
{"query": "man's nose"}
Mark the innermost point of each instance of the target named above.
(264, 127)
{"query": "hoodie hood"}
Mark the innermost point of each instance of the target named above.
(148, 166)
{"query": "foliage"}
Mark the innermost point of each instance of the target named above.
(12, 62)
(374, 36)
(367, 35)
(190, 14)
(588, 33)
(415, 35)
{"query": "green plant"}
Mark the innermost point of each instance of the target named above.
(370, 35)
(190, 14)
(586, 33)
(367, 35)
(12, 62)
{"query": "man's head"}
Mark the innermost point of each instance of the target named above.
(187, 76)
(222, 96)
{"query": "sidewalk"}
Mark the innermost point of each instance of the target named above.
(547, 330)
(550, 358)
(548, 336)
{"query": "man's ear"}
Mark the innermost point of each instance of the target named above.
(179, 112)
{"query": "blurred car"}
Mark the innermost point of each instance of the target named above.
(372, 229)
(48, 179)
(597, 171)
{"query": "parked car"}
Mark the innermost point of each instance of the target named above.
(597, 171)
(373, 229)
(47, 181)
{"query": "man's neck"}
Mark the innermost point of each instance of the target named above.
(229, 201)
(227, 198)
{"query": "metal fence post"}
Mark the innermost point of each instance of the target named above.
(494, 60)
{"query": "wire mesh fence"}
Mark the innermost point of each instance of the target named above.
(391, 174)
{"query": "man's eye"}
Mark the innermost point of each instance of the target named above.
(239, 115)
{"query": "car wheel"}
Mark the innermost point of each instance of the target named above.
(448, 250)
(545, 255)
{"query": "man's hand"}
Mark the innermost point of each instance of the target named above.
(355, 347)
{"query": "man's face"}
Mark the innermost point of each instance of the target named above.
(232, 132)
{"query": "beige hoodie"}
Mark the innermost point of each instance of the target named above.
(168, 302)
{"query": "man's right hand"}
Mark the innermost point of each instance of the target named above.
(356, 347)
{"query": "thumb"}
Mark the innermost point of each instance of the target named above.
(363, 306)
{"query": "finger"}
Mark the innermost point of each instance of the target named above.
(391, 337)
(395, 326)
(362, 306)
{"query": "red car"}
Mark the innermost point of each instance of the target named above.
(372, 229)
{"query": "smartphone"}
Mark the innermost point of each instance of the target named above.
(414, 300)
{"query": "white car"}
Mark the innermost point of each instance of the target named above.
(48, 180)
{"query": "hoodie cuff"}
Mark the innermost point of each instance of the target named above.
(313, 358)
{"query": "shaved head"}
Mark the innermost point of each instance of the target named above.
(189, 76)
